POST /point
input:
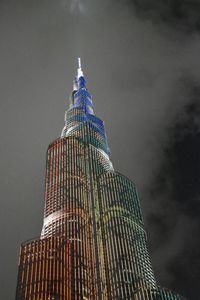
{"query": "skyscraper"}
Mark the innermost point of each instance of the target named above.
(93, 244)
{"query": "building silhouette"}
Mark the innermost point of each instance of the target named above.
(93, 244)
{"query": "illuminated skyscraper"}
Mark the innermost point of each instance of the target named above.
(93, 242)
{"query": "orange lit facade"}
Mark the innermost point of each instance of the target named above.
(93, 244)
(45, 269)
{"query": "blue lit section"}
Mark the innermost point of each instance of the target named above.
(82, 97)
(80, 119)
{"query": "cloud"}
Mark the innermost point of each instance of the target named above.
(173, 218)
(177, 14)
(77, 6)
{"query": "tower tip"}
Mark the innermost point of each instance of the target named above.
(79, 71)
(79, 62)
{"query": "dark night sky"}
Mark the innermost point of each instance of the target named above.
(141, 61)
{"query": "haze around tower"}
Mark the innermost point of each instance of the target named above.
(142, 66)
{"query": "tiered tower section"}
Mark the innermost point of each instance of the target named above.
(93, 242)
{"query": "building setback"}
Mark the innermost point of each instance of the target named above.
(93, 244)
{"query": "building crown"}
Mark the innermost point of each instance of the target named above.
(80, 118)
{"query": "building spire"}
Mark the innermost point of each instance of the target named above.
(79, 62)
(79, 70)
